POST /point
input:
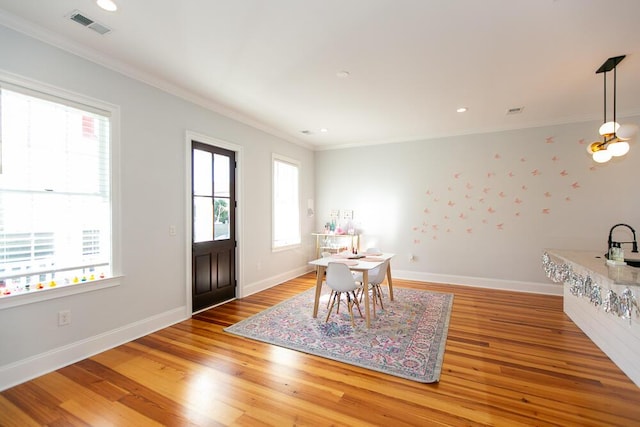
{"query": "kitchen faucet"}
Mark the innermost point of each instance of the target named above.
(611, 242)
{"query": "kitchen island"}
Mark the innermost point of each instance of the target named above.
(602, 299)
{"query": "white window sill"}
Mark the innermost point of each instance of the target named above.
(57, 292)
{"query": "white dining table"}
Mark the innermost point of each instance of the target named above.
(362, 264)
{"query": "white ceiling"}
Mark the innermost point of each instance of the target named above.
(274, 64)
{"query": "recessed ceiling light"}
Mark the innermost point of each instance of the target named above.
(343, 74)
(462, 110)
(107, 5)
(324, 130)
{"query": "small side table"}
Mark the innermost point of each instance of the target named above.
(331, 242)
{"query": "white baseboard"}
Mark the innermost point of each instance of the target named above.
(478, 282)
(481, 282)
(252, 288)
(40, 364)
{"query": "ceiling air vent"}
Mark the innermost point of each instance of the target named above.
(514, 110)
(83, 20)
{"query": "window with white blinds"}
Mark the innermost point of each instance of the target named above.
(55, 192)
(286, 202)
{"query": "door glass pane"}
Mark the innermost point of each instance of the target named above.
(202, 219)
(221, 218)
(221, 178)
(202, 185)
(221, 188)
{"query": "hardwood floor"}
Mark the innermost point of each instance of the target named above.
(511, 359)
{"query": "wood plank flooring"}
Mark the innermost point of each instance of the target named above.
(511, 359)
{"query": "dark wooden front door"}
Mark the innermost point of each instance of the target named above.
(213, 219)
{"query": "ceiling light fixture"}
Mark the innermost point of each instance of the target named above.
(462, 110)
(615, 137)
(107, 5)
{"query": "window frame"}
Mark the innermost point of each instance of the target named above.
(49, 92)
(297, 164)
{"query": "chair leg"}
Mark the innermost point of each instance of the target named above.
(330, 297)
(361, 292)
(378, 290)
(333, 301)
(355, 300)
(350, 307)
(352, 300)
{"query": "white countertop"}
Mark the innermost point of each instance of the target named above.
(596, 263)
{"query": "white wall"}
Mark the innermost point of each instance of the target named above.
(153, 169)
(480, 209)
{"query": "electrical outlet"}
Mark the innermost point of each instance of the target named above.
(64, 317)
(172, 230)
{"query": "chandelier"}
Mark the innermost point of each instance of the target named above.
(615, 137)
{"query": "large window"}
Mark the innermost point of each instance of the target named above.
(286, 202)
(55, 192)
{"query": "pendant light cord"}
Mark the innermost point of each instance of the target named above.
(605, 96)
(614, 101)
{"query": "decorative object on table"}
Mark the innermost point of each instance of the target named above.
(615, 137)
(407, 339)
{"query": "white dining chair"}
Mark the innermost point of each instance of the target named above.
(327, 255)
(376, 278)
(370, 251)
(340, 280)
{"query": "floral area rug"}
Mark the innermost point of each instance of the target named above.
(406, 339)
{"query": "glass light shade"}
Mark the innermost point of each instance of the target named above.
(609, 128)
(627, 131)
(107, 5)
(618, 148)
(602, 156)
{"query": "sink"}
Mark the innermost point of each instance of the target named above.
(630, 262)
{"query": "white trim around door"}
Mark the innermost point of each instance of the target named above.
(194, 136)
